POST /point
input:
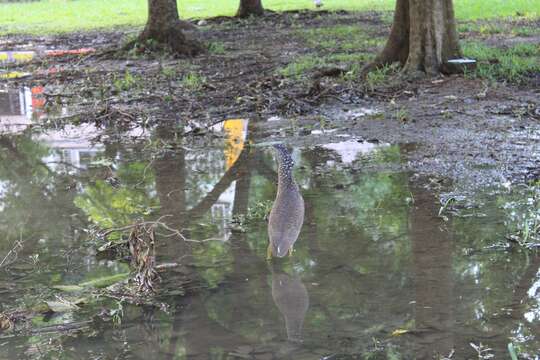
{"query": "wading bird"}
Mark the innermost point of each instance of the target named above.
(287, 214)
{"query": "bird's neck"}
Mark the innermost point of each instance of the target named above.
(285, 178)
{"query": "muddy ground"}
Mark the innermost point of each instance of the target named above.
(468, 129)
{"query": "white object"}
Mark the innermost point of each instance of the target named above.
(318, 3)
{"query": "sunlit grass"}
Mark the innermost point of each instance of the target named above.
(339, 47)
(513, 64)
(53, 16)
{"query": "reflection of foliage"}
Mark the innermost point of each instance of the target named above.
(524, 216)
(23, 178)
(214, 262)
(108, 206)
(491, 274)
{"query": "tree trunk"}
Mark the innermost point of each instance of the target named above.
(423, 37)
(250, 7)
(165, 28)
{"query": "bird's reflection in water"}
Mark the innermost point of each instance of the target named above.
(292, 299)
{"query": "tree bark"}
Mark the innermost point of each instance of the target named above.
(249, 8)
(165, 28)
(422, 38)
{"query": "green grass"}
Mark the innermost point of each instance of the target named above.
(339, 47)
(302, 65)
(56, 16)
(513, 64)
(193, 81)
(488, 28)
(340, 37)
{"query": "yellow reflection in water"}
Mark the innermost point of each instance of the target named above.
(14, 75)
(236, 131)
(17, 56)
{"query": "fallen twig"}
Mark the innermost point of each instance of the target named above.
(14, 251)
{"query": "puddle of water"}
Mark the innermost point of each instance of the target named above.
(375, 270)
(350, 150)
(16, 56)
(14, 75)
(21, 108)
(20, 57)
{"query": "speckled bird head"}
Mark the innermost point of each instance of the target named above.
(285, 160)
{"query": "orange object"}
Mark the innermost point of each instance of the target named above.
(236, 134)
(82, 51)
(38, 101)
(37, 90)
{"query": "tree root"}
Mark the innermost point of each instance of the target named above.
(172, 40)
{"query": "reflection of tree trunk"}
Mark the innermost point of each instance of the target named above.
(241, 193)
(239, 245)
(170, 173)
(203, 332)
(432, 256)
(223, 184)
(314, 160)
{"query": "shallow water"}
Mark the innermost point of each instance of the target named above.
(378, 272)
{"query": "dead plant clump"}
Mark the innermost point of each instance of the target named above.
(6, 322)
(143, 256)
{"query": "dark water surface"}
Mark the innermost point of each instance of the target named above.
(377, 272)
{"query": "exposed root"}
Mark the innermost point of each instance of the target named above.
(172, 40)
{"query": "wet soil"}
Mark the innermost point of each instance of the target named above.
(460, 125)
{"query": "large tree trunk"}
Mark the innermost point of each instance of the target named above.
(165, 28)
(423, 37)
(250, 7)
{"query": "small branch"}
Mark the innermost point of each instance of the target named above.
(158, 223)
(14, 251)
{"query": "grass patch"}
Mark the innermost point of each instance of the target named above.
(512, 64)
(525, 31)
(306, 64)
(344, 46)
(193, 81)
(302, 65)
(493, 28)
(127, 82)
(379, 77)
(57, 16)
(216, 48)
(340, 37)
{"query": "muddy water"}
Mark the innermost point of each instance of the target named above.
(378, 271)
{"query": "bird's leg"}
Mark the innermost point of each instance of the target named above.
(269, 251)
(291, 250)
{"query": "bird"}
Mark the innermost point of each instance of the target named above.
(318, 3)
(287, 214)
